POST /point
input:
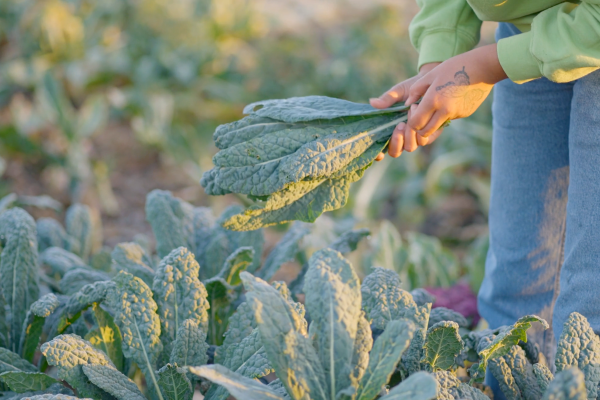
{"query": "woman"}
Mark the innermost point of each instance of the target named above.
(546, 144)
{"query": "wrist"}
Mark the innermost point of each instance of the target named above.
(492, 64)
(425, 68)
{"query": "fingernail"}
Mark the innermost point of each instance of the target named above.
(401, 126)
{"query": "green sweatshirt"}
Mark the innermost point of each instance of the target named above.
(559, 40)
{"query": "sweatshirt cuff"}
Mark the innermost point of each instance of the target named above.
(516, 59)
(441, 45)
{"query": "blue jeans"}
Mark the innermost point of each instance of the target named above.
(544, 219)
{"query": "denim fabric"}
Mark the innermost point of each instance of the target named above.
(545, 204)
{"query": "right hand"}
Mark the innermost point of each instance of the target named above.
(402, 138)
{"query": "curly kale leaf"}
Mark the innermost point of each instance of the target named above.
(442, 345)
(50, 233)
(112, 381)
(283, 333)
(190, 346)
(451, 388)
(172, 221)
(69, 353)
(503, 342)
(77, 278)
(384, 357)
(363, 343)
(131, 257)
(135, 315)
(422, 297)
(419, 386)
(333, 301)
(22, 382)
(544, 376)
(53, 397)
(578, 346)
(440, 314)
(18, 268)
(239, 386)
(241, 324)
(569, 384)
(80, 227)
(34, 324)
(174, 383)
(179, 294)
(516, 375)
(60, 261)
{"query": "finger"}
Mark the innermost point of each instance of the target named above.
(424, 141)
(397, 141)
(397, 93)
(410, 139)
(379, 157)
(421, 113)
(418, 90)
(435, 122)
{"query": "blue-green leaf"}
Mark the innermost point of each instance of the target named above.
(80, 227)
(21, 382)
(174, 383)
(112, 381)
(107, 336)
(34, 324)
(131, 257)
(418, 386)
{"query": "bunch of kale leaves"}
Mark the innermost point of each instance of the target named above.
(297, 157)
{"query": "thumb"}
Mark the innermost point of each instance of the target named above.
(397, 93)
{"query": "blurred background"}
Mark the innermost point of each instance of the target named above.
(103, 101)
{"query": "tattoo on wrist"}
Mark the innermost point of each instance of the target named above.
(459, 87)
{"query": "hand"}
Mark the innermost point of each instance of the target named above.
(453, 89)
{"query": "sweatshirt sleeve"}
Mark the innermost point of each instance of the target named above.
(562, 45)
(443, 29)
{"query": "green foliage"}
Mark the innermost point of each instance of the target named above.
(579, 346)
(285, 250)
(60, 261)
(34, 323)
(190, 346)
(75, 279)
(107, 336)
(174, 383)
(80, 227)
(50, 233)
(112, 381)
(419, 386)
(442, 346)
(324, 144)
(544, 376)
(569, 384)
(18, 268)
(440, 314)
(22, 382)
(10, 361)
(131, 257)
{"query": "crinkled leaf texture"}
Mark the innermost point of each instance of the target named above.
(135, 315)
(384, 357)
(10, 361)
(418, 386)
(440, 314)
(75, 279)
(569, 384)
(578, 346)
(179, 294)
(451, 388)
(54, 397)
(544, 376)
(131, 257)
(18, 268)
(69, 353)
(34, 324)
(112, 381)
(239, 386)
(504, 341)
(442, 345)
(333, 300)
(21, 382)
(190, 346)
(107, 336)
(516, 375)
(283, 333)
(174, 383)
(241, 324)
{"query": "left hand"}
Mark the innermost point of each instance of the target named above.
(454, 89)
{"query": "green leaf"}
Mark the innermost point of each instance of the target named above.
(544, 376)
(112, 381)
(75, 279)
(18, 268)
(7, 201)
(34, 324)
(284, 251)
(282, 332)
(383, 299)
(10, 361)
(440, 314)
(172, 221)
(135, 315)
(442, 346)
(569, 384)
(179, 294)
(21, 382)
(60, 261)
(107, 337)
(131, 257)
(422, 297)
(419, 386)
(78, 221)
(504, 341)
(501, 371)
(333, 301)
(384, 357)
(578, 346)
(190, 346)
(174, 383)
(54, 397)
(83, 299)
(363, 344)
(50, 233)
(239, 386)
(515, 367)
(237, 262)
(348, 241)
(411, 359)
(241, 324)
(451, 388)
(69, 353)
(4, 329)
